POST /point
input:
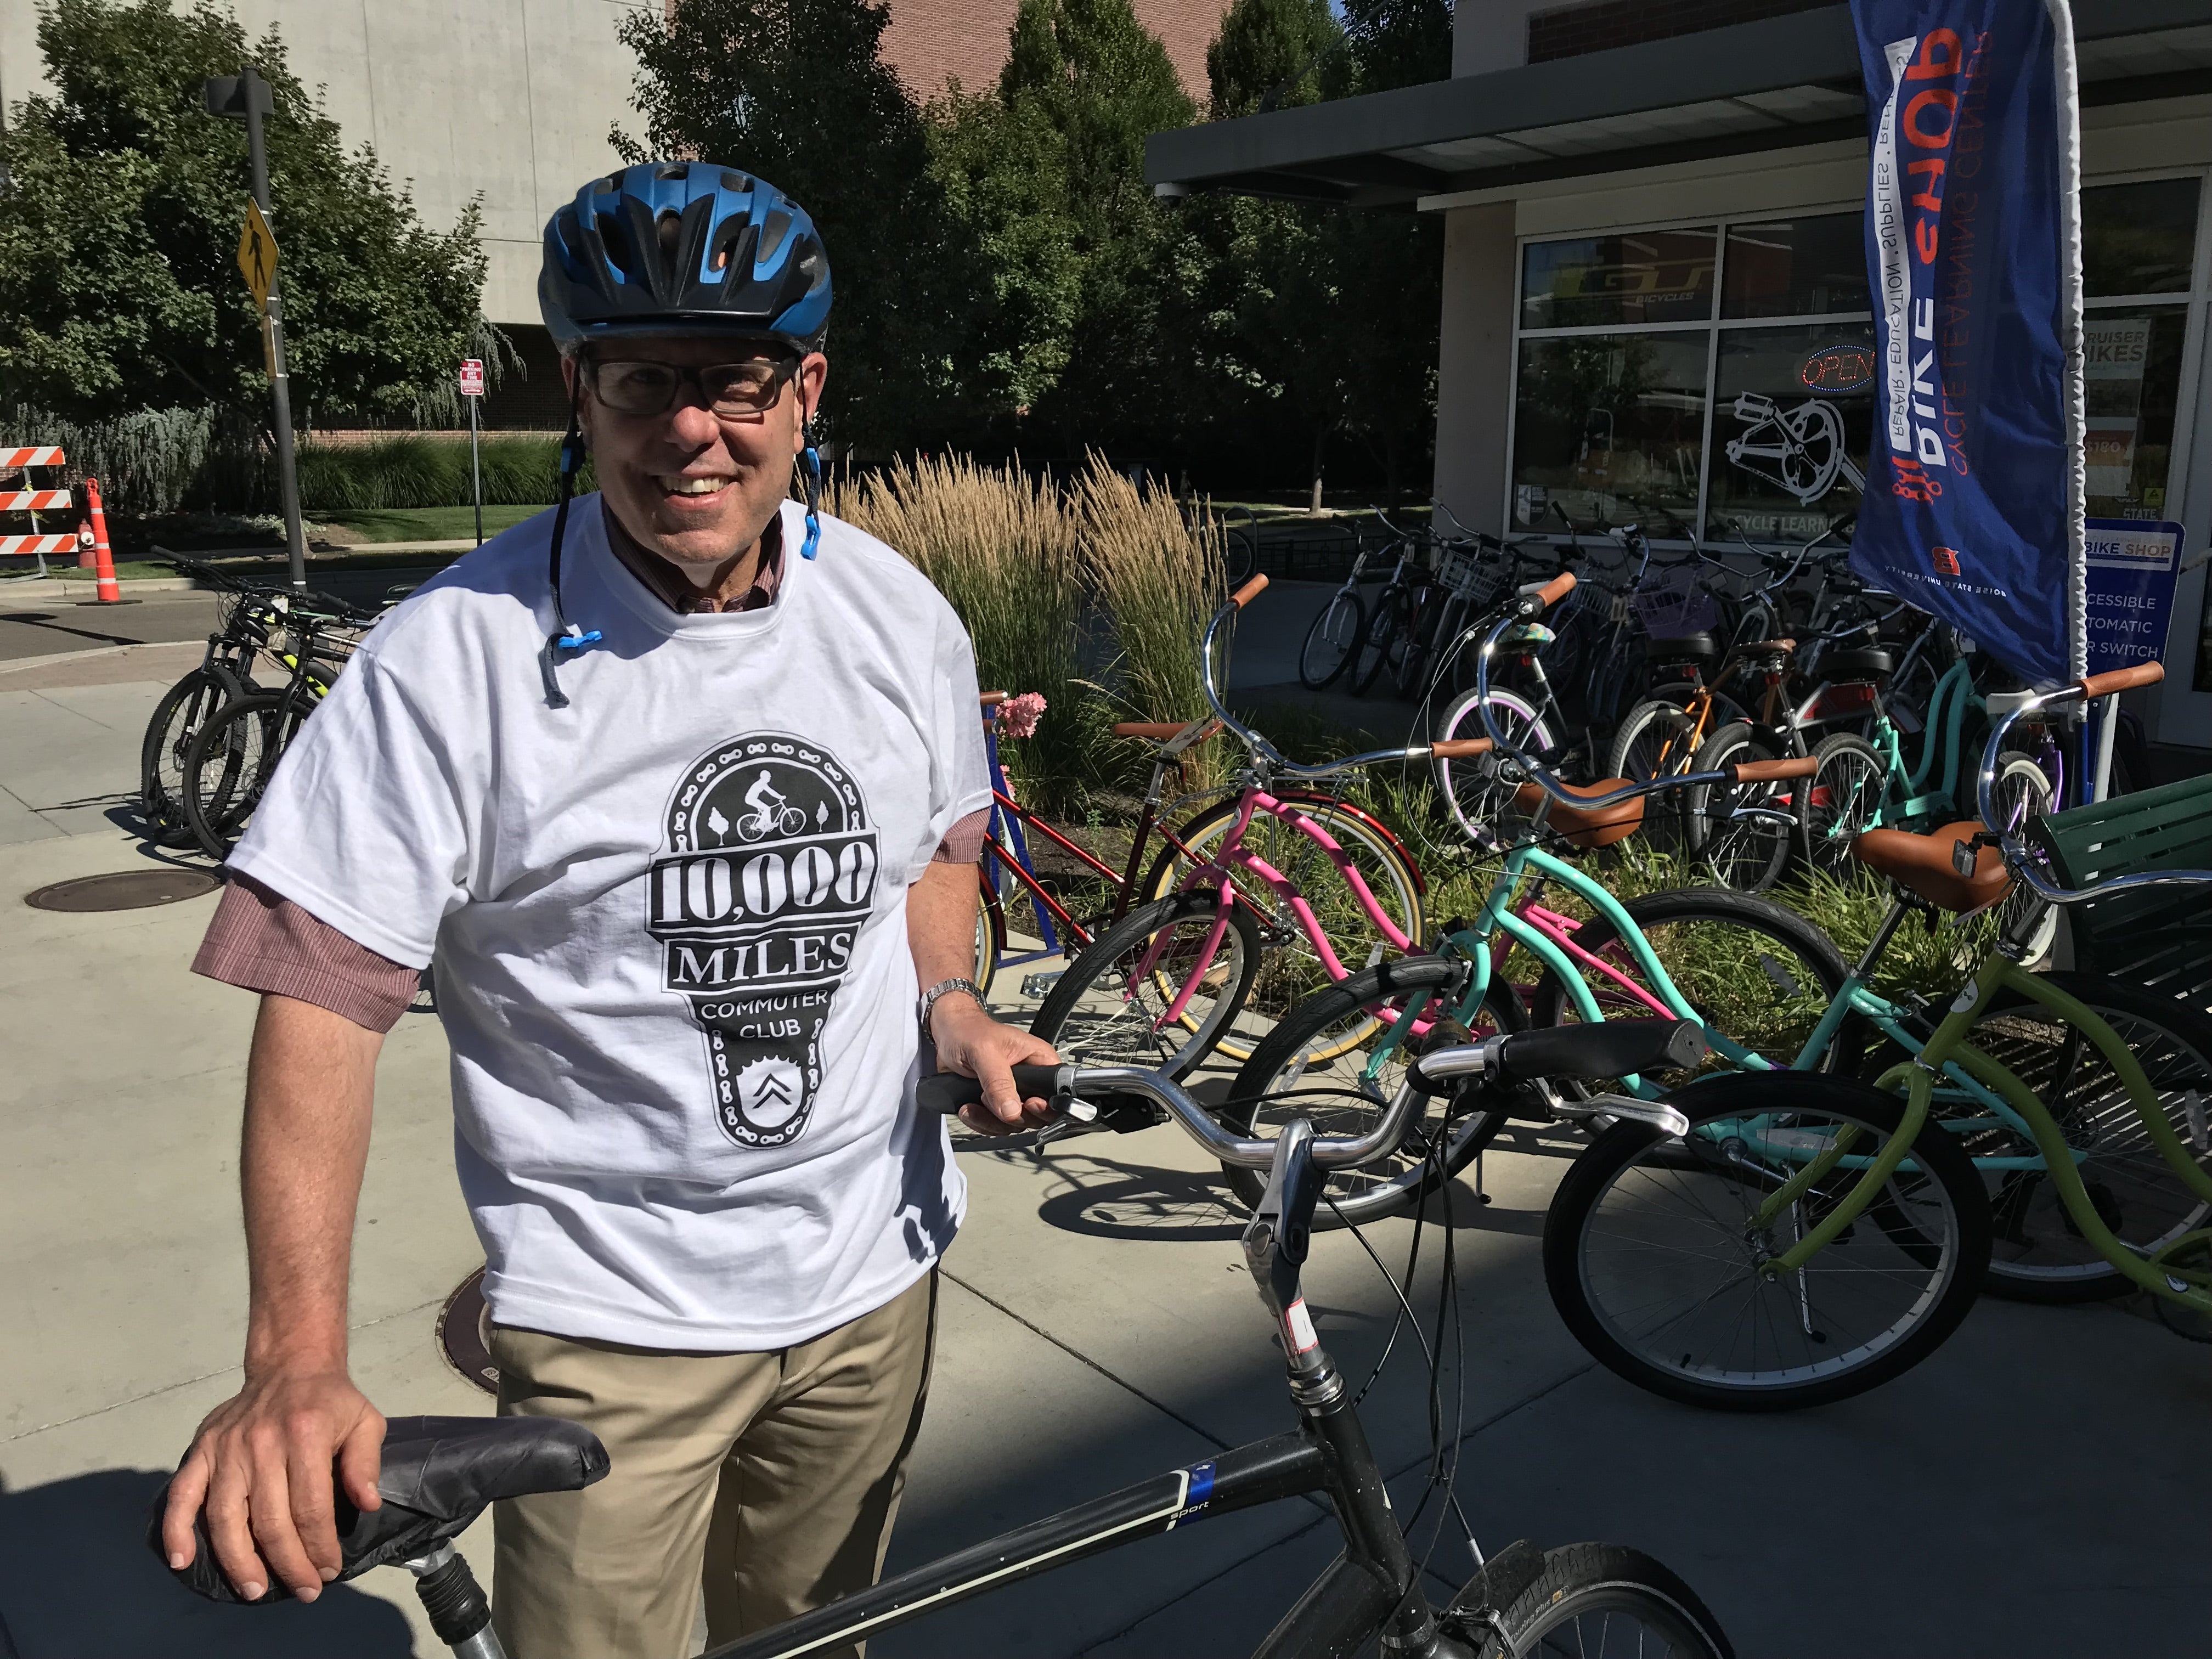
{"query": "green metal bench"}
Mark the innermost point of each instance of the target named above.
(2158, 937)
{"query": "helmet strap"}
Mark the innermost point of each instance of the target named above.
(566, 637)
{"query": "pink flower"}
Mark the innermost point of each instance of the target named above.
(1018, 716)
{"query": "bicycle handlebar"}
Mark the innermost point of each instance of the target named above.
(2024, 862)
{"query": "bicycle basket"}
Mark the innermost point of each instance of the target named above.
(1463, 569)
(1673, 605)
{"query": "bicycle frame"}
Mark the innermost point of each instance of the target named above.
(1374, 1583)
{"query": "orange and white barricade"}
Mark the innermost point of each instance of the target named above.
(22, 495)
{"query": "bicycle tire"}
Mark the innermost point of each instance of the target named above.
(1765, 990)
(1745, 856)
(1417, 642)
(1606, 1263)
(1478, 791)
(230, 764)
(1289, 968)
(1627, 1593)
(1336, 630)
(2037, 1253)
(986, 944)
(184, 708)
(1656, 738)
(1383, 622)
(1839, 801)
(2022, 791)
(1111, 972)
(1311, 1034)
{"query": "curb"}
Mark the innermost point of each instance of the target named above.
(55, 659)
(59, 588)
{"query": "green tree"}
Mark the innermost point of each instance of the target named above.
(1275, 53)
(1084, 83)
(796, 92)
(119, 224)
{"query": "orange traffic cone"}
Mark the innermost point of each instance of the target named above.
(103, 561)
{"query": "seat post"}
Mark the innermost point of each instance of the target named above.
(460, 1613)
(1899, 908)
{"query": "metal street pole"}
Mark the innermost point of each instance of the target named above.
(476, 470)
(248, 95)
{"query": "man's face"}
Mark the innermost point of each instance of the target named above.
(696, 486)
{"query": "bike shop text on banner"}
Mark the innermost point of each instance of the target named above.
(1974, 493)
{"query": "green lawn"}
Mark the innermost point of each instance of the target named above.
(427, 524)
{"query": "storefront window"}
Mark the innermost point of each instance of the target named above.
(1808, 267)
(1793, 416)
(2139, 239)
(1641, 277)
(2133, 378)
(1609, 426)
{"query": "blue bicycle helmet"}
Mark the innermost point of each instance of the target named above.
(667, 247)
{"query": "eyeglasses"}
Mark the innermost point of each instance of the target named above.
(728, 390)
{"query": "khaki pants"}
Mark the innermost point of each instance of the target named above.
(767, 1480)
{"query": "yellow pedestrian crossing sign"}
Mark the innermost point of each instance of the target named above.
(257, 254)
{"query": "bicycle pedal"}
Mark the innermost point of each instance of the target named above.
(1040, 985)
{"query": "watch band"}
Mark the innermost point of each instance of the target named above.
(945, 988)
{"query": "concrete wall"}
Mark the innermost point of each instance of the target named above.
(1474, 363)
(511, 98)
(1492, 34)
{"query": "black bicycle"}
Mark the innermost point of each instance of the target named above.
(438, 1474)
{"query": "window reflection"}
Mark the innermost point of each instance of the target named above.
(1806, 267)
(1609, 426)
(2133, 377)
(1641, 277)
(2139, 239)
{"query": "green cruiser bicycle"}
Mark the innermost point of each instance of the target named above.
(1710, 1269)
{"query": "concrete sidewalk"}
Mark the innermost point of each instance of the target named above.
(2031, 1489)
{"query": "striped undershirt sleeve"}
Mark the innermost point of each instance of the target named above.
(963, 841)
(259, 940)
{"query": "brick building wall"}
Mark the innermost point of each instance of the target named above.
(1570, 31)
(931, 42)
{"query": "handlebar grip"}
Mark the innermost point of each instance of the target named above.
(948, 1091)
(1251, 591)
(2123, 679)
(1458, 748)
(1158, 731)
(993, 699)
(1773, 771)
(1611, 1048)
(1557, 589)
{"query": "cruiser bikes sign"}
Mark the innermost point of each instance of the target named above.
(1975, 493)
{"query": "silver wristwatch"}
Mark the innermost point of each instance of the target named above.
(944, 988)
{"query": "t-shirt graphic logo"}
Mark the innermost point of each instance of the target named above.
(769, 873)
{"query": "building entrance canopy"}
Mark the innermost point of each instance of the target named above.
(1747, 88)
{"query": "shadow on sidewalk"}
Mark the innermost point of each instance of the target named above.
(77, 1582)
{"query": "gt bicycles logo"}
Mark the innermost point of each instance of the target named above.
(769, 873)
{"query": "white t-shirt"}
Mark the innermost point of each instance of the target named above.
(669, 921)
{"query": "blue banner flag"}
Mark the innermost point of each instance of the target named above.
(1974, 498)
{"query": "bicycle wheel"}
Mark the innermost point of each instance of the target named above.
(184, 708)
(1314, 1065)
(1588, 1600)
(1410, 654)
(1653, 1247)
(987, 946)
(2038, 1254)
(2023, 791)
(1743, 832)
(1112, 1006)
(230, 764)
(1291, 967)
(1656, 738)
(1331, 641)
(1384, 623)
(1760, 974)
(1478, 791)
(1839, 801)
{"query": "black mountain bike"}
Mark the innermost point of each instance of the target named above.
(438, 1474)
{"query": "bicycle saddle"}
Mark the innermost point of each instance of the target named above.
(1922, 864)
(438, 1474)
(1587, 826)
(1685, 645)
(1861, 665)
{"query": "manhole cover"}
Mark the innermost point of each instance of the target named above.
(126, 890)
(464, 1332)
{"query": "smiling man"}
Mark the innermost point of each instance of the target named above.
(681, 786)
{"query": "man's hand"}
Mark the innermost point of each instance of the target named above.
(971, 1043)
(262, 1464)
